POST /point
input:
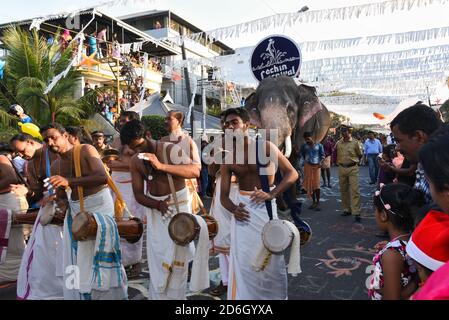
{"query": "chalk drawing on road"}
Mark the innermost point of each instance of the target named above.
(344, 261)
(344, 294)
(354, 228)
(312, 284)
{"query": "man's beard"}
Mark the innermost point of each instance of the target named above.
(54, 149)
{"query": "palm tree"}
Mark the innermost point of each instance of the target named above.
(31, 65)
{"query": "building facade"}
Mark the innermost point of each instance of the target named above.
(167, 26)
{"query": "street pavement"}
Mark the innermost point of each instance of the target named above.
(336, 263)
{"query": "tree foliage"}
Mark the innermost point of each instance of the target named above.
(31, 65)
(156, 125)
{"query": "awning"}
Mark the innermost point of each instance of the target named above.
(125, 32)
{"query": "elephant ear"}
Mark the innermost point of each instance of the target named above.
(309, 104)
(251, 107)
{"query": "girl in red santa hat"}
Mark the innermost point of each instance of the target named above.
(394, 276)
(429, 245)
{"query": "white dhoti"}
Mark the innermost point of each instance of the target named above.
(93, 268)
(246, 238)
(167, 262)
(41, 269)
(222, 241)
(131, 252)
(9, 266)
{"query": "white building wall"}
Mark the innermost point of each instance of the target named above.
(194, 50)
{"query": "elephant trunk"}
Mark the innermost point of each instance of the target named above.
(275, 118)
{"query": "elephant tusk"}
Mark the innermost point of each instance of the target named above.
(288, 146)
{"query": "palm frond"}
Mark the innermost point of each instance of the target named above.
(5, 118)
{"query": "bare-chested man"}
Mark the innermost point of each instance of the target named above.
(101, 274)
(250, 213)
(121, 174)
(41, 269)
(174, 121)
(168, 263)
(35, 153)
(12, 200)
(222, 241)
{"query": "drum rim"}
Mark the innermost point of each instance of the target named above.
(83, 236)
(311, 234)
(131, 238)
(267, 225)
(211, 218)
(194, 235)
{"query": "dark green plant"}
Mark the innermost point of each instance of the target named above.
(7, 132)
(156, 125)
(31, 65)
(214, 111)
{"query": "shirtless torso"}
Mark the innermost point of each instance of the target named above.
(157, 180)
(122, 164)
(36, 169)
(249, 178)
(247, 174)
(93, 175)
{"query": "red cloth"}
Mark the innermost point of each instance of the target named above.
(436, 287)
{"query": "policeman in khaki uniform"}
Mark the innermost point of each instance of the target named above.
(348, 157)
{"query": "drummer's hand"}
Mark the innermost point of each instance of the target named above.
(47, 200)
(58, 181)
(19, 189)
(59, 215)
(153, 160)
(163, 206)
(61, 206)
(240, 213)
(260, 196)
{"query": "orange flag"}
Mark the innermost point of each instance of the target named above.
(379, 116)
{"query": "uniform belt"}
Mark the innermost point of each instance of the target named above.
(347, 165)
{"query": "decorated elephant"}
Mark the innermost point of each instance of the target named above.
(279, 103)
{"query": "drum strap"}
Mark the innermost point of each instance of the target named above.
(263, 180)
(170, 181)
(77, 163)
(201, 204)
(119, 205)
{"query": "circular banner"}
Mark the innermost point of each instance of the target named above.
(276, 56)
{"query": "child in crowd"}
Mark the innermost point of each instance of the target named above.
(394, 275)
(388, 154)
(434, 158)
(429, 244)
